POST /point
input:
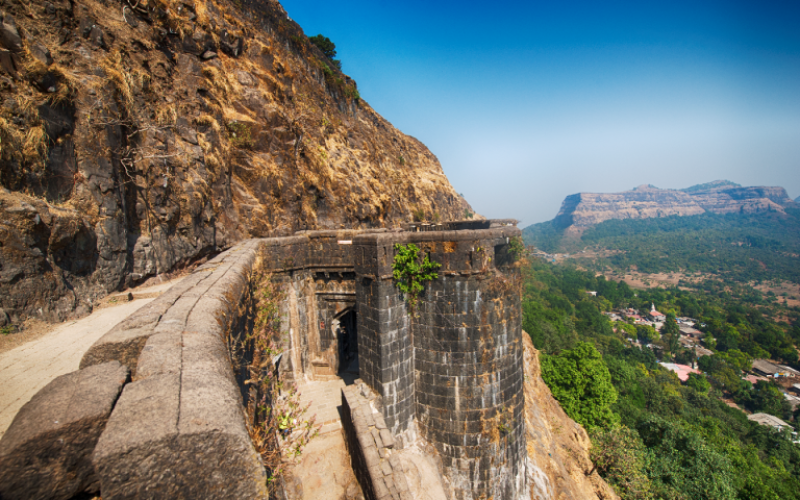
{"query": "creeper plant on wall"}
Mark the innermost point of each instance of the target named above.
(410, 273)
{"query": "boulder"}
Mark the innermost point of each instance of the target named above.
(7, 63)
(41, 53)
(46, 452)
(9, 36)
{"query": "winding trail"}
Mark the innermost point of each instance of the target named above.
(25, 369)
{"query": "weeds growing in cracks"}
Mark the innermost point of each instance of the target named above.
(279, 427)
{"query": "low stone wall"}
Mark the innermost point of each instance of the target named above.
(371, 447)
(179, 428)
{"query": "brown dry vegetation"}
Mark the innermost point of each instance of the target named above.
(172, 129)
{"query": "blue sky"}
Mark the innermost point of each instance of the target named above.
(525, 103)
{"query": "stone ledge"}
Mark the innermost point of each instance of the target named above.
(179, 428)
(167, 313)
(47, 451)
(372, 448)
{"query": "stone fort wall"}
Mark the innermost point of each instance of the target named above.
(451, 371)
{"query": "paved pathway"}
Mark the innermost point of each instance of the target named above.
(324, 470)
(27, 368)
(325, 398)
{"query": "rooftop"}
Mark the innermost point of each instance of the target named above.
(765, 366)
(767, 419)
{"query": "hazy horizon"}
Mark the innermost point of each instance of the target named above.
(526, 103)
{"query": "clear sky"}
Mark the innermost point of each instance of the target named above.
(527, 102)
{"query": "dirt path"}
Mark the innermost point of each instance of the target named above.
(28, 367)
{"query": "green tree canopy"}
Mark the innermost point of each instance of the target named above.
(671, 333)
(699, 382)
(325, 45)
(580, 381)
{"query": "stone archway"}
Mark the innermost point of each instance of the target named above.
(346, 334)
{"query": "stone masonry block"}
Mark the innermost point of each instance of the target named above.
(160, 355)
(46, 452)
(146, 448)
(386, 438)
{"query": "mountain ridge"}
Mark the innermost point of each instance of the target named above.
(582, 210)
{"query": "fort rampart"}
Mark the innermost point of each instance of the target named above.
(448, 372)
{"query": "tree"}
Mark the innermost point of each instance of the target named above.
(682, 464)
(671, 333)
(325, 45)
(721, 373)
(766, 397)
(647, 334)
(619, 456)
(580, 381)
(738, 359)
(699, 383)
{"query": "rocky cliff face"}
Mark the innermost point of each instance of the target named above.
(587, 209)
(138, 137)
(558, 447)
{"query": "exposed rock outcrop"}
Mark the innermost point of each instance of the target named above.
(139, 137)
(558, 448)
(587, 209)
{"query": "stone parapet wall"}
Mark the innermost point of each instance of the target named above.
(179, 429)
(372, 449)
(459, 252)
(311, 249)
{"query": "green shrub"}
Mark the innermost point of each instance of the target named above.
(325, 45)
(410, 273)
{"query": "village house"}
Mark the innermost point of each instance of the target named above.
(655, 315)
(691, 332)
(768, 368)
(682, 371)
(772, 421)
(764, 368)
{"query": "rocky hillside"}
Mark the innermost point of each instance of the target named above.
(587, 209)
(138, 137)
(558, 447)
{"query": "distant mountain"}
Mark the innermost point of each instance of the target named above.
(797, 200)
(584, 210)
(720, 228)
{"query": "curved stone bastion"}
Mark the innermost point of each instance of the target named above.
(445, 376)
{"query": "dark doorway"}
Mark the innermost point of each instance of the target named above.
(347, 336)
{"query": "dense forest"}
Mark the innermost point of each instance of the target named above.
(653, 437)
(739, 247)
